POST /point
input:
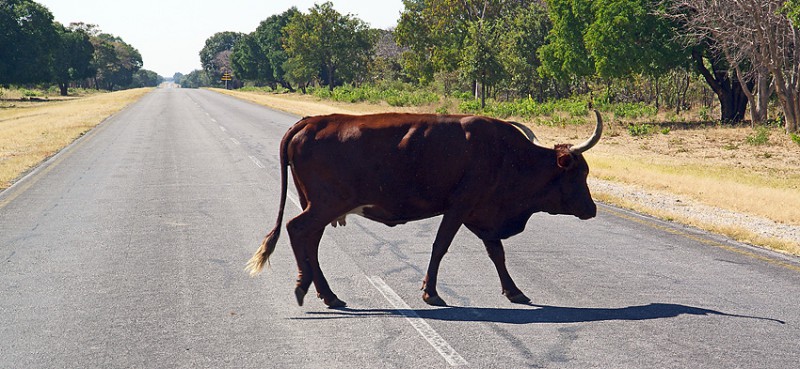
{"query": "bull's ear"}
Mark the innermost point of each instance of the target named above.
(564, 159)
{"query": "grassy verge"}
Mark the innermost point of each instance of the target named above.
(31, 131)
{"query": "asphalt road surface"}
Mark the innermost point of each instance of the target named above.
(127, 250)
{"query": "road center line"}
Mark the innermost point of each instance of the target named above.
(257, 162)
(424, 329)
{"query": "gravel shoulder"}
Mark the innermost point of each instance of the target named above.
(670, 206)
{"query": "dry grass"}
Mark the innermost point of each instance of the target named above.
(31, 131)
(304, 105)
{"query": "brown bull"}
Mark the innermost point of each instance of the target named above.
(394, 168)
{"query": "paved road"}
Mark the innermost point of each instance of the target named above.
(128, 249)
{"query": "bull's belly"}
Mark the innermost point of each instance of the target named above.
(390, 218)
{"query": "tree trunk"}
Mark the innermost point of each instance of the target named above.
(733, 101)
(63, 87)
(330, 77)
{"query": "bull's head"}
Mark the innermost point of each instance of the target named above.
(568, 192)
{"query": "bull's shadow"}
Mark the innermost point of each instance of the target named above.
(536, 314)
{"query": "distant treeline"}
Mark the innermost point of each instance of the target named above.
(651, 51)
(35, 50)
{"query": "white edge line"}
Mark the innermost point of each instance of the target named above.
(222, 129)
(235, 141)
(425, 330)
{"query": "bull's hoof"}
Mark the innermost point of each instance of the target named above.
(300, 294)
(336, 303)
(519, 298)
(433, 300)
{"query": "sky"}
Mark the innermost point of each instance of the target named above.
(170, 33)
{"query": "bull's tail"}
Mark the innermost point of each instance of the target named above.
(261, 256)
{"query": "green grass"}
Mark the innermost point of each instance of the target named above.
(761, 137)
(393, 94)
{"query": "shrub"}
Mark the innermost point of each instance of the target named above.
(796, 138)
(761, 137)
(637, 130)
(633, 110)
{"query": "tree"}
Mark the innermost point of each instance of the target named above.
(72, 58)
(145, 78)
(757, 36)
(248, 61)
(627, 37)
(435, 31)
(565, 55)
(479, 60)
(524, 32)
(196, 78)
(115, 61)
(338, 46)
(28, 39)
(213, 65)
(269, 37)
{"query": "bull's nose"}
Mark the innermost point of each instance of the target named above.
(589, 213)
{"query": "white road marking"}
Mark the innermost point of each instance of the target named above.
(257, 162)
(424, 329)
(223, 129)
(235, 141)
(213, 120)
(293, 198)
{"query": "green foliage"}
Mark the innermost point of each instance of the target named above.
(115, 60)
(637, 130)
(145, 78)
(249, 62)
(609, 38)
(195, 79)
(215, 55)
(565, 54)
(269, 37)
(761, 137)
(633, 110)
(795, 138)
(370, 93)
(28, 40)
(72, 59)
(326, 44)
(704, 113)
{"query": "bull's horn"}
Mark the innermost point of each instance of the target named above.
(528, 133)
(598, 131)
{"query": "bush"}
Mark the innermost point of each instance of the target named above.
(796, 138)
(761, 137)
(633, 110)
(637, 130)
(395, 94)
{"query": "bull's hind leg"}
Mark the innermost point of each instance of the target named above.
(498, 256)
(451, 222)
(305, 232)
